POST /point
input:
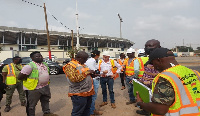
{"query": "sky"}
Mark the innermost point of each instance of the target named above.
(172, 22)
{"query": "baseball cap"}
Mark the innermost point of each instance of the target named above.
(159, 53)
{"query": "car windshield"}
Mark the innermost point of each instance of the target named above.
(7, 61)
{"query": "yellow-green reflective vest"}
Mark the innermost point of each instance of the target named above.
(142, 61)
(32, 80)
(186, 86)
(11, 77)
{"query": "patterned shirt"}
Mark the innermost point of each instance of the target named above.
(163, 92)
(73, 74)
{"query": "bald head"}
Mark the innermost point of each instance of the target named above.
(82, 57)
(150, 45)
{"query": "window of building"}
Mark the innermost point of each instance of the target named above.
(11, 48)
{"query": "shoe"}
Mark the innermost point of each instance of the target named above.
(7, 109)
(113, 105)
(130, 102)
(23, 104)
(103, 104)
(96, 112)
(123, 87)
(50, 114)
(142, 112)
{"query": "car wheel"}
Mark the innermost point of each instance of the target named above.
(53, 70)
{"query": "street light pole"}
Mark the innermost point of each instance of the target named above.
(120, 19)
(77, 28)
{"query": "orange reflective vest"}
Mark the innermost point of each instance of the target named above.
(114, 68)
(121, 63)
(129, 68)
(11, 77)
(186, 84)
(84, 87)
(142, 61)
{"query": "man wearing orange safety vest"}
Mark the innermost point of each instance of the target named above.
(10, 73)
(109, 70)
(80, 84)
(142, 59)
(122, 74)
(176, 89)
(131, 70)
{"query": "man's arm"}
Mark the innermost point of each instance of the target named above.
(26, 70)
(22, 76)
(119, 67)
(4, 73)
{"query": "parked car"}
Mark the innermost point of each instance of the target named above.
(54, 67)
(66, 61)
(53, 58)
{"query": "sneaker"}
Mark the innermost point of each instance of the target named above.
(113, 105)
(50, 114)
(123, 87)
(142, 112)
(7, 109)
(130, 102)
(96, 112)
(103, 104)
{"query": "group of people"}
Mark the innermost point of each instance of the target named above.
(175, 88)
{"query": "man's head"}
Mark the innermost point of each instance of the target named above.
(36, 57)
(162, 59)
(130, 53)
(17, 60)
(150, 45)
(95, 54)
(106, 56)
(122, 56)
(81, 57)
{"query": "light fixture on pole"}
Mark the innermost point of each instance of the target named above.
(77, 28)
(120, 19)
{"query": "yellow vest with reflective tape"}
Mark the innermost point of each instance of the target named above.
(11, 77)
(129, 68)
(186, 86)
(142, 61)
(33, 78)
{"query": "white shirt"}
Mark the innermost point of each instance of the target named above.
(92, 65)
(107, 66)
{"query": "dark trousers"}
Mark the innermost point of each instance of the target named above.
(122, 76)
(110, 82)
(81, 105)
(130, 89)
(33, 96)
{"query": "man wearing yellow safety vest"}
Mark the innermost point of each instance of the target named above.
(131, 70)
(122, 74)
(81, 86)
(176, 89)
(10, 73)
(142, 59)
(36, 78)
(109, 70)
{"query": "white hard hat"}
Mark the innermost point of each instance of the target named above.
(141, 51)
(130, 50)
(106, 53)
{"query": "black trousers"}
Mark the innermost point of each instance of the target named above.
(122, 76)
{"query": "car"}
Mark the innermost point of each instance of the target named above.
(54, 67)
(53, 58)
(66, 61)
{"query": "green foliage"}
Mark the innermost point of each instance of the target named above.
(73, 52)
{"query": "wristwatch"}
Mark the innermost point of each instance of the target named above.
(138, 104)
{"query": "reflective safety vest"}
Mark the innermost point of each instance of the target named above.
(11, 77)
(114, 68)
(129, 68)
(82, 88)
(31, 82)
(142, 61)
(186, 86)
(121, 63)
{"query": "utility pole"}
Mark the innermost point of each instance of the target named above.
(72, 54)
(48, 39)
(120, 19)
(77, 28)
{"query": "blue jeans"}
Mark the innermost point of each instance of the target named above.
(109, 82)
(130, 89)
(81, 105)
(94, 97)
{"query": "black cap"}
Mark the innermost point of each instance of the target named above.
(159, 53)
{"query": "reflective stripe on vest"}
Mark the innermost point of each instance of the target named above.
(142, 61)
(184, 103)
(11, 78)
(129, 68)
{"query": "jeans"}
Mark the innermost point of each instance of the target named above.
(81, 105)
(109, 82)
(130, 89)
(94, 97)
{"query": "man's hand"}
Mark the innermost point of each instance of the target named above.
(91, 71)
(114, 75)
(138, 97)
(105, 71)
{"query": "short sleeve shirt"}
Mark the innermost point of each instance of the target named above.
(17, 70)
(163, 92)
